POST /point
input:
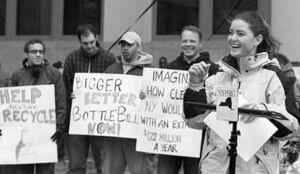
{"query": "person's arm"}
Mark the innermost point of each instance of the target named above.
(190, 96)
(60, 108)
(276, 102)
(193, 114)
(297, 92)
(13, 80)
(214, 68)
(68, 76)
(60, 103)
(110, 59)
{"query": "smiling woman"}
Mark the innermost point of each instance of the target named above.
(249, 37)
(241, 39)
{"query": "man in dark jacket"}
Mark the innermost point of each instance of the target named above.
(36, 71)
(191, 46)
(120, 152)
(89, 58)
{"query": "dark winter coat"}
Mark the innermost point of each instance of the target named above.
(47, 75)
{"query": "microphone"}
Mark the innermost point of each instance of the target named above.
(271, 115)
(258, 113)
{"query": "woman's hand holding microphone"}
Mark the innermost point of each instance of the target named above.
(198, 73)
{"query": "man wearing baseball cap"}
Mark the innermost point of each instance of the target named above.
(131, 37)
(120, 153)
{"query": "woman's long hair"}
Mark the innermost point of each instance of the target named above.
(258, 26)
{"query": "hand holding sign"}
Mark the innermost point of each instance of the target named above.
(142, 95)
(57, 136)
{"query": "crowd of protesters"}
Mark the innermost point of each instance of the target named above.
(266, 84)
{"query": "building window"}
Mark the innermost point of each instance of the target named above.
(224, 10)
(173, 15)
(78, 12)
(33, 17)
(2, 16)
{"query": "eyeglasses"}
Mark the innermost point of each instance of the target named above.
(36, 51)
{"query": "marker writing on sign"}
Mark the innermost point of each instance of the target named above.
(8, 96)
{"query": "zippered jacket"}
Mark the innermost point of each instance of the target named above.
(136, 67)
(257, 85)
(47, 75)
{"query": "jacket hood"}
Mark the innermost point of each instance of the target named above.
(258, 61)
(143, 59)
(25, 62)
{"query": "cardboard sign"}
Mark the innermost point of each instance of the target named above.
(252, 135)
(105, 105)
(163, 129)
(27, 121)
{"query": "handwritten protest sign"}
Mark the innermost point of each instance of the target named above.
(162, 129)
(105, 105)
(27, 121)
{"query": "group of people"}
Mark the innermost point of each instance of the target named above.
(261, 80)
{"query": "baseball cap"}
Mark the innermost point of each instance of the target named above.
(131, 37)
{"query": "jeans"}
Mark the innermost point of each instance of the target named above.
(78, 149)
(42, 168)
(171, 164)
(120, 152)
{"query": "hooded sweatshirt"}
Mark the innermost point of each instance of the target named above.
(134, 68)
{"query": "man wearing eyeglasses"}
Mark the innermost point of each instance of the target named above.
(89, 58)
(37, 71)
